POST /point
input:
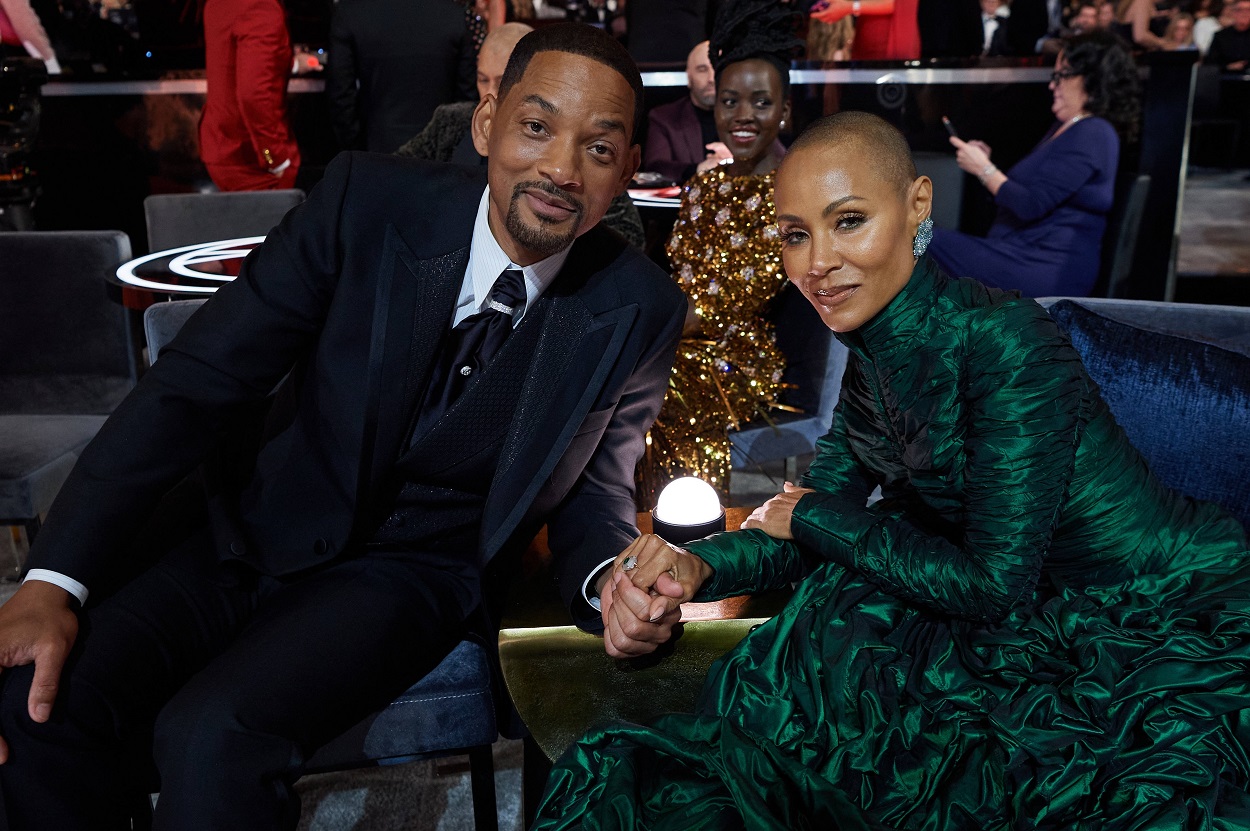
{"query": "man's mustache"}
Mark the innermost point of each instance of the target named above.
(570, 201)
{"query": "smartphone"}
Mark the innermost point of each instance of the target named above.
(950, 128)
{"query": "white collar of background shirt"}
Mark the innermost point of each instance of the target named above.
(487, 261)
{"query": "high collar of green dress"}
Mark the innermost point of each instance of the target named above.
(904, 319)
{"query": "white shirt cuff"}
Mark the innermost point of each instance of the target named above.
(280, 169)
(70, 585)
(593, 600)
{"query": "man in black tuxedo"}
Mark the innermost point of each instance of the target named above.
(391, 63)
(458, 358)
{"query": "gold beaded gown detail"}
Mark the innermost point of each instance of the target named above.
(726, 256)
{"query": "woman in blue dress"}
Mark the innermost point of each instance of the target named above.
(1053, 204)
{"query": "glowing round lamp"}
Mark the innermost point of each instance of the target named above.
(687, 509)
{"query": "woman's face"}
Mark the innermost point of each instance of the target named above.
(847, 230)
(1068, 92)
(749, 111)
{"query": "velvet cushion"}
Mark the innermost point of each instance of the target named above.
(451, 708)
(36, 454)
(1185, 405)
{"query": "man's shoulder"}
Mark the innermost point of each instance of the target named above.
(630, 276)
(430, 202)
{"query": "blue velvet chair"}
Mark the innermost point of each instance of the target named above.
(1177, 379)
(66, 360)
(815, 362)
(450, 711)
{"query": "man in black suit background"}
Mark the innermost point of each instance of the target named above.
(458, 359)
(391, 62)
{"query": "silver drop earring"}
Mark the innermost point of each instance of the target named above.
(924, 236)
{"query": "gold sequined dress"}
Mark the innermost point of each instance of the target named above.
(726, 255)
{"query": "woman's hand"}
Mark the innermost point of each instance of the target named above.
(971, 156)
(773, 517)
(717, 154)
(831, 11)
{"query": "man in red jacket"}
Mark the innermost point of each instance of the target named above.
(245, 140)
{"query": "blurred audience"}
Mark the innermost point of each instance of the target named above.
(1230, 46)
(664, 31)
(885, 30)
(1207, 22)
(391, 63)
(1133, 20)
(995, 18)
(246, 142)
(449, 138)
(725, 255)
(1053, 203)
(1180, 33)
(681, 135)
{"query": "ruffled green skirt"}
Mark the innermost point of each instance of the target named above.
(1124, 708)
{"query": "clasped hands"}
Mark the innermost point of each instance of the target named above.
(641, 606)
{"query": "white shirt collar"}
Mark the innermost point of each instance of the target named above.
(487, 261)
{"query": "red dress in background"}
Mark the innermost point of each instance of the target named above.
(888, 37)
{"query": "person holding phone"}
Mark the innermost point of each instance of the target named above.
(1053, 204)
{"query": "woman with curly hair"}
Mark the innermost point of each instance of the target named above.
(1053, 203)
(724, 255)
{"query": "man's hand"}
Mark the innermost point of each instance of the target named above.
(37, 625)
(773, 517)
(640, 606)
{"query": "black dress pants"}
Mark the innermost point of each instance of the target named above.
(215, 684)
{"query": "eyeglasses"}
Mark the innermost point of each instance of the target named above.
(1059, 74)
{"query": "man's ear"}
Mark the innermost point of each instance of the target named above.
(631, 167)
(483, 118)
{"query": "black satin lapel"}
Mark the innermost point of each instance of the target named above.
(413, 307)
(563, 383)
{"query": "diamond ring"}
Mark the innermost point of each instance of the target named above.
(630, 563)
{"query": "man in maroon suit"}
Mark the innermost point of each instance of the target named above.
(245, 140)
(681, 136)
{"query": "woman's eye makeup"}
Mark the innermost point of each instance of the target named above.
(851, 221)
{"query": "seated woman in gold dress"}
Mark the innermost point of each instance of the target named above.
(726, 256)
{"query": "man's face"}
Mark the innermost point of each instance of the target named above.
(989, 7)
(1086, 19)
(1241, 15)
(559, 151)
(700, 77)
(491, 63)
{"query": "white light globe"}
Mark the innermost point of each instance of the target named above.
(687, 501)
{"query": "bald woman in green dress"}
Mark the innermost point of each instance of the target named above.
(1028, 631)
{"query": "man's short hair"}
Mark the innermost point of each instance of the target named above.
(871, 134)
(576, 39)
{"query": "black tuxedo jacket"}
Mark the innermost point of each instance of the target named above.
(348, 300)
(391, 63)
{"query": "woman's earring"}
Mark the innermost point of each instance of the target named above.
(924, 236)
(781, 125)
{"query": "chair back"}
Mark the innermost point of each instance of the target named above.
(161, 321)
(178, 219)
(65, 345)
(948, 186)
(1119, 244)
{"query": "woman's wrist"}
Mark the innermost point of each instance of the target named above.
(990, 170)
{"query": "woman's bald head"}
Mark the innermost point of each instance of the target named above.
(867, 136)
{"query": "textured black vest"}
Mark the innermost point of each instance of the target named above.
(447, 472)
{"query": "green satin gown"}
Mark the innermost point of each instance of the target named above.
(1027, 632)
